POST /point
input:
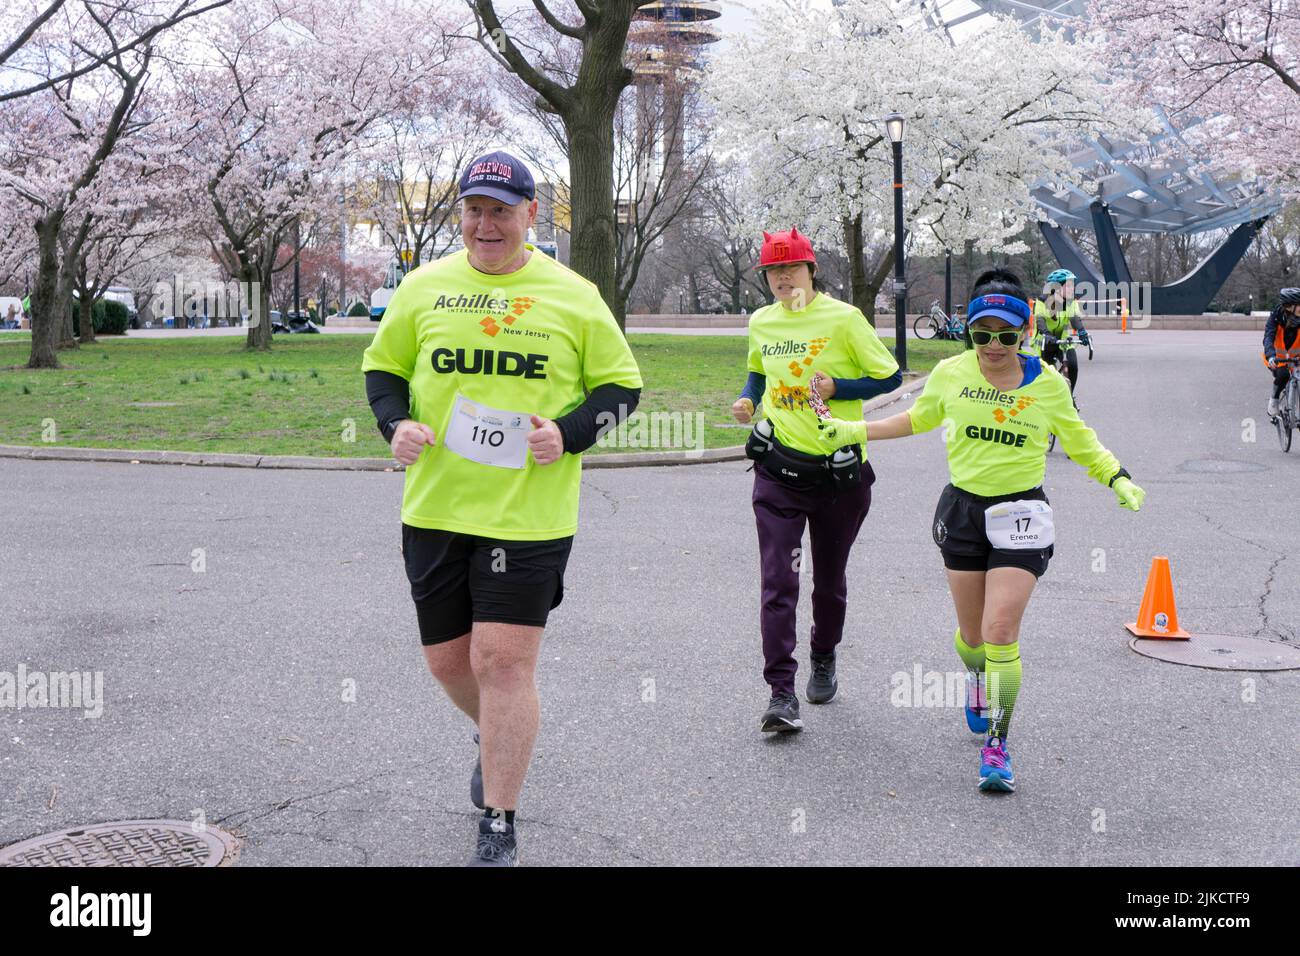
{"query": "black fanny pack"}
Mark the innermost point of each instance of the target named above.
(799, 469)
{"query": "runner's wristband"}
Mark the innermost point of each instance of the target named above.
(1118, 475)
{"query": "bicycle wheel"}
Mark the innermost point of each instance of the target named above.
(925, 327)
(1283, 425)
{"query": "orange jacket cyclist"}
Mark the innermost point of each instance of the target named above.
(993, 523)
(1282, 343)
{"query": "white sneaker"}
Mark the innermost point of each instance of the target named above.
(1272, 408)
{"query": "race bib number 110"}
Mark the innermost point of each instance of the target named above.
(487, 435)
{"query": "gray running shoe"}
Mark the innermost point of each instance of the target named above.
(822, 683)
(782, 715)
(496, 844)
(476, 780)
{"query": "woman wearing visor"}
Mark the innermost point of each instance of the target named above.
(809, 356)
(993, 523)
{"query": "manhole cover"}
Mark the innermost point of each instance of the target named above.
(1221, 466)
(1222, 652)
(126, 843)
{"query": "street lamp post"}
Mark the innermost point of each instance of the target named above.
(947, 281)
(297, 245)
(894, 126)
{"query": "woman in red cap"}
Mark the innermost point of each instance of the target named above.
(810, 356)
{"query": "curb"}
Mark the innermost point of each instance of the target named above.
(645, 459)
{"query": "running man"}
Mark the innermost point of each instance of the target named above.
(993, 523)
(809, 355)
(489, 375)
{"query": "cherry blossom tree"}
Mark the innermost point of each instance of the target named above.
(54, 149)
(1226, 70)
(286, 91)
(35, 56)
(801, 103)
(411, 166)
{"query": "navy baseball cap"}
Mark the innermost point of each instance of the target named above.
(499, 176)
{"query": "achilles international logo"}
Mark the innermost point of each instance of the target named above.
(517, 307)
(802, 353)
(1021, 404)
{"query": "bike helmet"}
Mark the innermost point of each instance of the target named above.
(1061, 276)
(1290, 296)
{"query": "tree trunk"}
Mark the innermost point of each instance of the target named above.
(259, 334)
(876, 280)
(47, 322)
(858, 294)
(63, 303)
(591, 174)
(87, 314)
(734, 283)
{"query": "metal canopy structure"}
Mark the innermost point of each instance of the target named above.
(1140, 185)
(1146, 189)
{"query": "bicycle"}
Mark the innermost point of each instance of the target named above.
(938, 324)
(1058, 363)
(1288, 406)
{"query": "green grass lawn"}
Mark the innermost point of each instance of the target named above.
(208, 394)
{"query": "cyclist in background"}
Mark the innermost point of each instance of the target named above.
(1055, 314)
(1282, 342)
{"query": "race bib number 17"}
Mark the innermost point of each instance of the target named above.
(488, 435)
(1020, 525)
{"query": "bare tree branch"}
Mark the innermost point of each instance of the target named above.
(115, 50)
(577, 33)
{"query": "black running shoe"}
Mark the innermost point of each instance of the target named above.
(496, 844)
(476, 781)
(822, 683)
(782, 714)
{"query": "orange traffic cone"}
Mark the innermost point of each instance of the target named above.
(1158, 618)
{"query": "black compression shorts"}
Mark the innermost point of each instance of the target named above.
(458, 579)
(958, 530)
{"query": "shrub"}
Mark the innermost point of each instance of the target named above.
(96, 312)
(110, 317)
(359, 308)
(116, 317)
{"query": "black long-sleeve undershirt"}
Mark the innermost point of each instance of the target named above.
(390, 399)
(607, 405)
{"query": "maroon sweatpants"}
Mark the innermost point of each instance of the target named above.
(833, 522)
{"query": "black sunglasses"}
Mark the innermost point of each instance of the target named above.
(1008, 337)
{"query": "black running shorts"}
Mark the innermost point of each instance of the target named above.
(458, 579)
(958, 530)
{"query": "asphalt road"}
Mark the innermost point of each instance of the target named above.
(224, 691)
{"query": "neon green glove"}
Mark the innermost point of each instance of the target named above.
(836, 433)
(1130, 495)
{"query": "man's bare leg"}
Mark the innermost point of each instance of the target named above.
(503, 658)
(449, 663)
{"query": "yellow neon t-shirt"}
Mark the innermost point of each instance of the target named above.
(997, 441)
(533, 341)
(787, 347)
